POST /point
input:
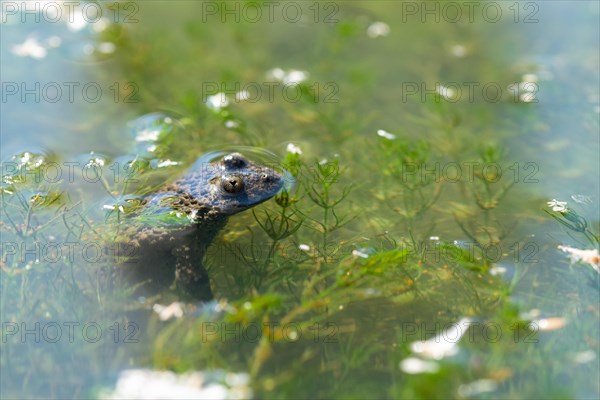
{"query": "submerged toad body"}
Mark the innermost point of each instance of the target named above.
(178, 223)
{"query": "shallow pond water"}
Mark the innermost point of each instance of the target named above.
(438, 236)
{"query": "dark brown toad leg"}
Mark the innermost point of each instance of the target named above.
(190, 275)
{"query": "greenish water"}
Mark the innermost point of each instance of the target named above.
(419, 210)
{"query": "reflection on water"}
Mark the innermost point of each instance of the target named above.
(438, 236)
(52, 57)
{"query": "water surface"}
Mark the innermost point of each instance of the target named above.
(416, 254)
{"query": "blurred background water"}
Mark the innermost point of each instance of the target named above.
(455, 125)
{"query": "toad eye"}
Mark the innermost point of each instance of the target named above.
(232, 184)
(234, 160)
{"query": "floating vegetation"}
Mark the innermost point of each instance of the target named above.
(437, 235)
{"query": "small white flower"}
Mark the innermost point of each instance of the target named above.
(95, 162)
(217, 101)
(386, 134)
(166, 163)
(107, 47)
(558, 206)
(38, 162)
(291, 77)
(153, 384)
(26, 157)
(584, 357)
(358, 253)
(445, 92)
(549, 324)
(527, 78)
(590, 257)
(242, 95)
(30, 48)
(231, 124)
(377, 29)
(192, 215)
(177, 214)
(458, 50)
(304, 247)
(444, 344)
(414, 365)
(294, 77)
(165, 313)
(9, 180)
(114, 207)
(147, 135)
(497, 270)
(77, 23)
(292, 148)
(276, 73)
